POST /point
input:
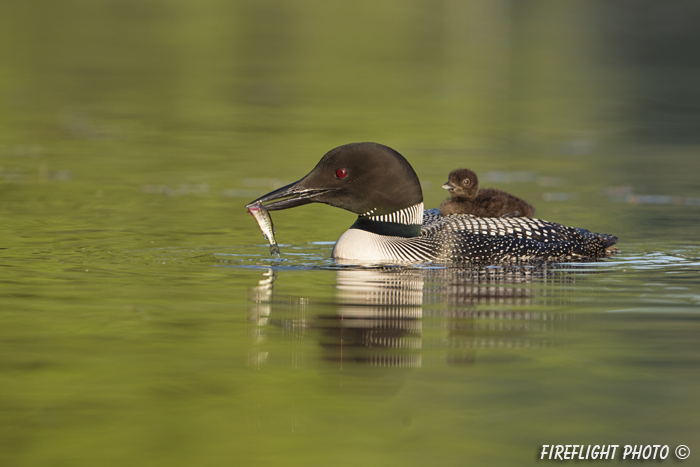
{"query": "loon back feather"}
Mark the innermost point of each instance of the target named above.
(510, 238)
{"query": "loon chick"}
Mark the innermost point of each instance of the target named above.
(380, 186)
(467, 198)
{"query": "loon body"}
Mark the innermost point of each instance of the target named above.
(380, 186)
(467, 198)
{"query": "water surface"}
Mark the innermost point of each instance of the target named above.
(144, 322)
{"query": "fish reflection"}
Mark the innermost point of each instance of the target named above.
(259, 314)
(409, 317)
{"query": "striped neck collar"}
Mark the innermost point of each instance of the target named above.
(402, 223)
(407, 216)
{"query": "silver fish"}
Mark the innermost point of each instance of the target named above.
(265, 223)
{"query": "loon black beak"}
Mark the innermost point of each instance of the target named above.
(295, 195)
(448, 186)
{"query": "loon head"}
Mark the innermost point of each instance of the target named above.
(462, 183)
(364, 178)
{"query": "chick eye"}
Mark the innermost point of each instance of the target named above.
(341, 173)
(466, 181)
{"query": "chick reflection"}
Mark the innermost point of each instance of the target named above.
(377, 321)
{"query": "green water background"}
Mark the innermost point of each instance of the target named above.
(132, 134)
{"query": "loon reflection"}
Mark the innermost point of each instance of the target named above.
(406, 317)
(378, 318)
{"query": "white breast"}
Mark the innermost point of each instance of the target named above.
(360, 245)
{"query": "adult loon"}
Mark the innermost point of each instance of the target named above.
(380, 186)
(467, 198)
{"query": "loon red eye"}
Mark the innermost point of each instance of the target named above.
(341, 173)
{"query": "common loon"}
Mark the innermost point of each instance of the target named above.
(380, 186)
(467, 198)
